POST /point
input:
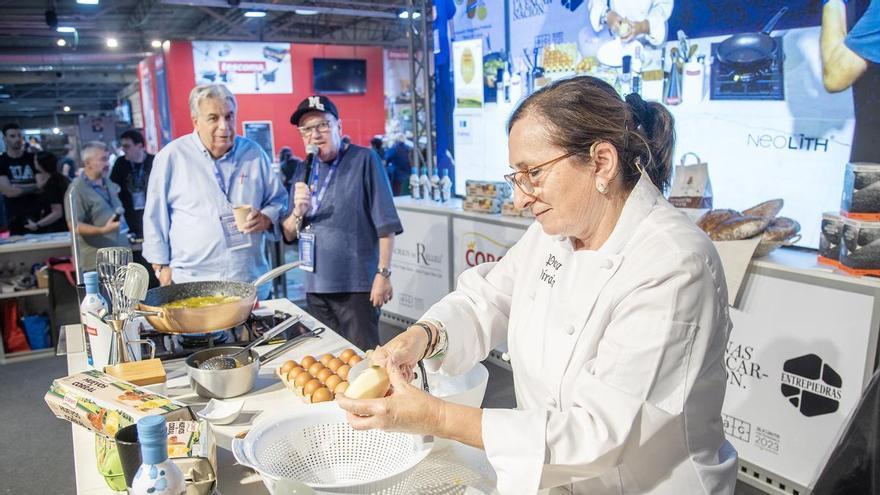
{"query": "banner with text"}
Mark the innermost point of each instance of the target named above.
(476, 242)
(245, 68)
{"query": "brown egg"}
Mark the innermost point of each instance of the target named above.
(335, 364)
(307, 361)
(294, 372)
(326, 358)
(311, 386)
(315, 368)
(342, 371)
(323, 394)
(354, 359)
(301, 380)
(287, 366)
(346, 354)
(341, 388)
(324, 374)
(332, 381)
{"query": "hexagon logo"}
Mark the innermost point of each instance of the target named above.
(811, 385)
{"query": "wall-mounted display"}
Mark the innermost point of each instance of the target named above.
(245, 68)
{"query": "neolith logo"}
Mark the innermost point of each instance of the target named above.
(811, 385)
(795, 142)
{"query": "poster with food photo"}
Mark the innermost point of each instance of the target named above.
(468, 69)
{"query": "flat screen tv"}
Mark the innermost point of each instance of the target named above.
(340, 76)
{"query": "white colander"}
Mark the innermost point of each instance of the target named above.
(316, 446)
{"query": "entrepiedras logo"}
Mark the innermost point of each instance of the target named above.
(810, 385)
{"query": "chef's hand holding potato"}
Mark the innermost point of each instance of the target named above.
(403, 352)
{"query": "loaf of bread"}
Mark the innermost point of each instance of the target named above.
(781, 229)
(767, 209)
(711, 219)
(739, 227)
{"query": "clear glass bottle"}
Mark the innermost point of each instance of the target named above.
(157, 475)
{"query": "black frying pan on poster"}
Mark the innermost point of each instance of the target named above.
(749, 49)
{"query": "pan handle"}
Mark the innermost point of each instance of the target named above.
(773, 20)
(275, 272)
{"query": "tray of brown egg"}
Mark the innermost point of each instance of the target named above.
(321, 379)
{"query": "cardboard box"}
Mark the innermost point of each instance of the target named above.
(861, 192)
(488, 189)
(104, 404)
(482, 204)
(829, 238)
(860, 247)
(43, 278)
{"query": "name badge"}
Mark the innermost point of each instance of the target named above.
(307, 250)
(234, 238)
(139, 199)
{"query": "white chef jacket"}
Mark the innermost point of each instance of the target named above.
(616, 354)
(656, 12)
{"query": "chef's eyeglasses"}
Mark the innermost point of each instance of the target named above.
(527, 179)
(321, 127)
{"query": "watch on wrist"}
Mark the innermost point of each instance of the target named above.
(385, 272)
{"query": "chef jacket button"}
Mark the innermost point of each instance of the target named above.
(570, 330)
(505, 357)
(606, 264)
(551, 402)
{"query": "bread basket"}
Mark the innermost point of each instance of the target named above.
(316, 446)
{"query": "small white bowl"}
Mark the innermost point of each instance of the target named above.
(221, 412)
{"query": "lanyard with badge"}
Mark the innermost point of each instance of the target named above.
(235, 239)
(307, 237)
(137, 188)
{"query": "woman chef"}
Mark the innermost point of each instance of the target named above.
(613, 306)
(632, 19)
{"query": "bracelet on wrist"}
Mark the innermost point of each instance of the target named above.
(430, 334)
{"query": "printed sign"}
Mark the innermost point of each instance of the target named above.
(467, 62)
(420, 264)
(245, 68)
(476, 242)
(260, 131)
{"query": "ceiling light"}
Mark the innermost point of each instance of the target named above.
(65, 29)
(166, 44)
(405, 15)
(88, 2)
(305, 12)
(112, 43)
(156, 44)
(66, 108)
(61, 42)
(255, 13)
(56, 130)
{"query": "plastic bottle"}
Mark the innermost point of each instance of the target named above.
(414, 189)
(157, 474)
(516, 85)
(435, 186)
(92, 303)
(505, 81)
(445, 186)
(625, 77)
(637, 75)
(425, 184)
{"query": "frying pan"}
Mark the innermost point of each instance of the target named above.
(745, 49)
(210, 318)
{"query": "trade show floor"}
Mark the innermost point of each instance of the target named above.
(37, 453)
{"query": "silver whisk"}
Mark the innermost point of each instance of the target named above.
(112, 267)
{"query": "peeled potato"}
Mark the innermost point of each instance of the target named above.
(345, 355)
(371, 384)
(287, 366)
(315, 368)
(335, 364)
(341, 388)
(326, 358)
(342, 371)
(324, 374)
(307, 361)
(332, 381)
(323, 394)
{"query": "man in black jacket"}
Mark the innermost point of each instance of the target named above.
(132, 173)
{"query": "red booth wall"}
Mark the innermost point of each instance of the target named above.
(363, 115)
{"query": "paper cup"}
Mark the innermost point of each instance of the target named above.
(241, 213)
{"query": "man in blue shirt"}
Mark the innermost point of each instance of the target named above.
(853, 59)
(346, 221)
(190, 232)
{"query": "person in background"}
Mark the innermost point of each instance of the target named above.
(378, 146)
(18, 183)
(189, 230)
(853, 60)
(98, 209)
(51, 185)
(643, 20)
(613, 306)
(68, 163)
(33, 145)
(131, 172)
(348, 213)
(287, 163)
(399, 163)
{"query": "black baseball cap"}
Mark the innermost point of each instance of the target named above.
(316, 103)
